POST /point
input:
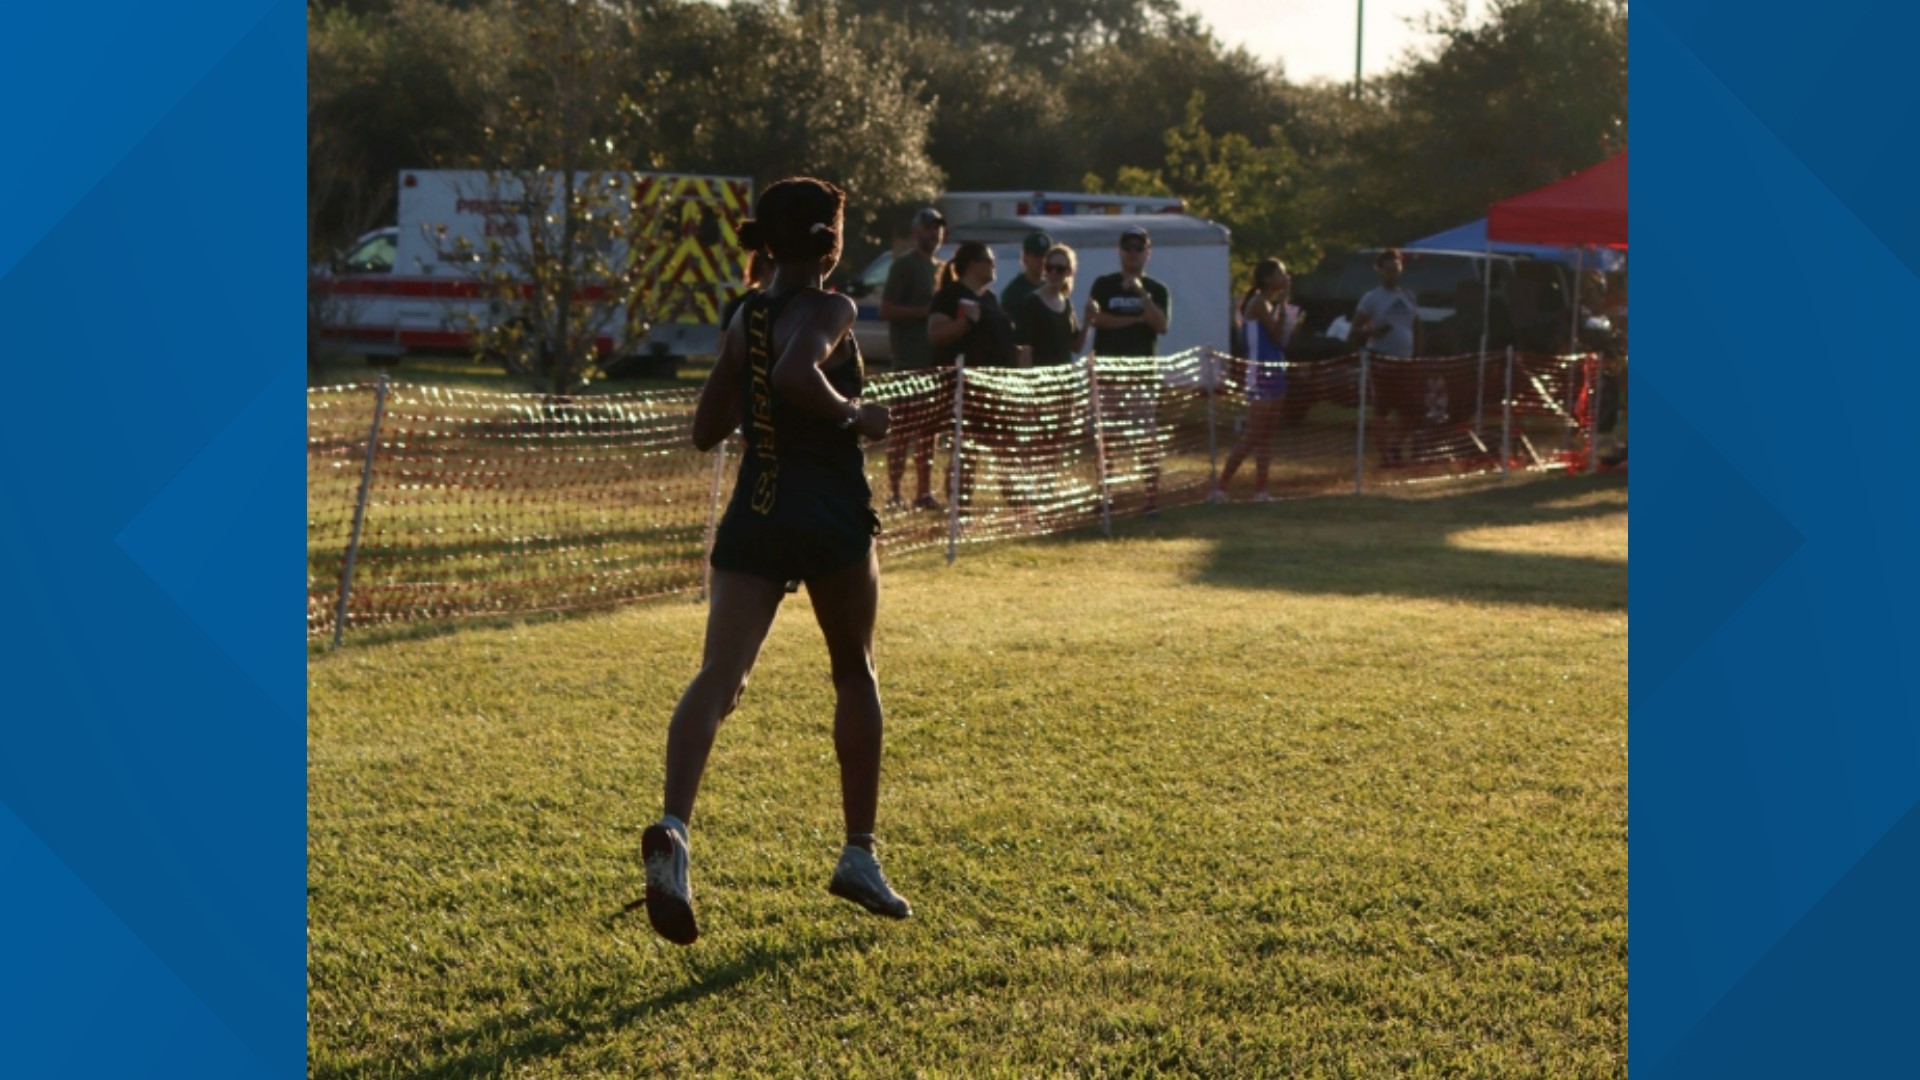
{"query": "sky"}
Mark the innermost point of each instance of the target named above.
(1314, 38)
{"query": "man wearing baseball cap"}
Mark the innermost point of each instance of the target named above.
(905, 304)
(1129, 310)
(1033, 253)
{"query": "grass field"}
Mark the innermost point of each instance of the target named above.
(1333, 787)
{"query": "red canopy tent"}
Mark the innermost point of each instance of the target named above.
(1587, 208)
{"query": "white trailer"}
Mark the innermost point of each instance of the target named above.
(963, 207)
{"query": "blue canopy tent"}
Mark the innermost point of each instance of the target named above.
(1473, 237)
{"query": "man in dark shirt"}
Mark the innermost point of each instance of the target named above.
(905, 303)
(1033, 253)
(1129, 310)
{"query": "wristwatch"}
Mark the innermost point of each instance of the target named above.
(853, 416)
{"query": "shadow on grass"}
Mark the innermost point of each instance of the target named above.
(495, 1046)
(1403, 546)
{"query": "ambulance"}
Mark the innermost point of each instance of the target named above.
(414, 286)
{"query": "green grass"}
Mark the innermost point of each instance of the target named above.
(1334, 787)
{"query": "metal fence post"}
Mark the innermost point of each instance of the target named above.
(1599, 369)
(359, 512)
(959, 448)
(1099, 448)
(1480, 390)
(1506, 418)
(713, 517)
(1360, 442)
(1210, 367)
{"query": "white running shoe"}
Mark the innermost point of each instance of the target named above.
(858, 878)
(1218, 496)
(1261, 496)
(669, 896)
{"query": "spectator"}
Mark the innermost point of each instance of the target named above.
(967, 319)
(1032, 277)
(1129, 311)
(1268, 322)
(905, 303)
(1046, 323)
(1387, 319)
(1386, 322)
(967, 322)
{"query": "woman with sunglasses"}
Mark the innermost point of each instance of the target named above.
(1048, 324)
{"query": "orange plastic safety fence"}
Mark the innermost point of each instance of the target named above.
(500, 504)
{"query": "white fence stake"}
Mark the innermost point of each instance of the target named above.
(1506, 418)
(1099, 448)
(1360, 442)
(959, 448)
(359, 512)
(713, 517)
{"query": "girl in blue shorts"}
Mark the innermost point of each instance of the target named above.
(1268, 323)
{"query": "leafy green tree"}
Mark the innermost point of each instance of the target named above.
(1123, 101)
(1037, 37)
(1255, 190)
(756, 89)
(561, 262)
(406, 88)
(1533, 91)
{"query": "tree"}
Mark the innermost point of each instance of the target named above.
(1125, 100)
(1255, 190)
(1534, 91)
(758, 90)
(567, 234)
(1035, 37)
(407, 88)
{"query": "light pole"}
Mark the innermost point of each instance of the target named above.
(1359, 34)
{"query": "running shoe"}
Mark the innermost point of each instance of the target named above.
(669, 898)
(859, 878)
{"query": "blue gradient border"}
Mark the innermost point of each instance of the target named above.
(153, 740)
(1776, 844)
(152, 809)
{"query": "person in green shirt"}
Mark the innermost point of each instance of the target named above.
(1033, 253)
(904, 304)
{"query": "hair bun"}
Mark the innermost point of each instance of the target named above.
(753, 235)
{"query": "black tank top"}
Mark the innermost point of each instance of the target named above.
(788, 448)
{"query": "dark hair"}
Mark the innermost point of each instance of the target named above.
(1262, 274)
(966, 255)
(796, 218)
(1390, 253)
